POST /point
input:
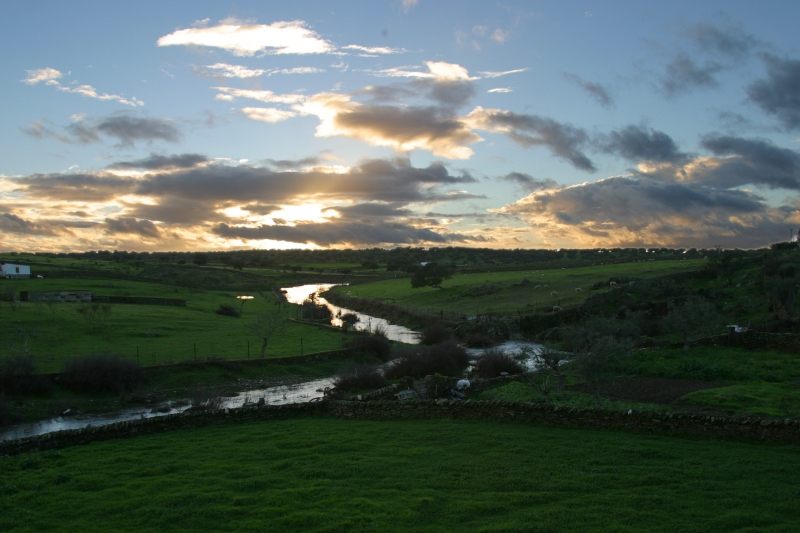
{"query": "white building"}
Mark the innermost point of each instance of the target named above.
(11, 270)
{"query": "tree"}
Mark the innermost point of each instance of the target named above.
(265, 326)
(693, 316)
(430, 275)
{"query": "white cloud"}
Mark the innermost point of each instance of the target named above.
(46, 75)
(267, 114)
(235, 71)
(500, 35)
(50, 76)
(241, 39)
(500, 90)
(437, 70)
(373, 50)
(408, 4)
(269, 97)
(490, 74)
(239, 71)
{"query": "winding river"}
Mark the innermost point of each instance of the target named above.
(277, 395)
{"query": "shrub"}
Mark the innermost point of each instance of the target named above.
(312, 310)
(434, 334)
(371, 344)
(18, 375)
(228, 310)
(494, 363)
(478, 340)
(446, 358)
(360, 378)
(101, 373)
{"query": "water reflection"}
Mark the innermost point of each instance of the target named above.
(394, 332)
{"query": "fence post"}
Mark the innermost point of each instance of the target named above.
(301, 345)
(248, 348)
(137, 356)
(195, 351)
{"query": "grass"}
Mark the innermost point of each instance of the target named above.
(158, 334)
(322, 474)
(504, 292)
(757, 398)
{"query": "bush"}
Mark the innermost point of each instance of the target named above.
(371, 344)
(312, 310)
(228, 310)
(446, 358)
(494, 363)
(360, 378)
(18, 375)
(478, 340)
(434, 334)
(102, 373)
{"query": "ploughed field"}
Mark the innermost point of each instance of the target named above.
(510, 292)
(325, 474)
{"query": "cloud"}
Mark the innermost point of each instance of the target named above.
(499, 90)
(563, 140)
(777, 94)
(50, 76)
(47, 75)
(637, 143)
(500, 35)
(269, 97)
(630, 211)
(143, 228)
(402, 128)
(595, 90)
(159, 162)
(408, 4)
(731, 41)
(75, 187)
(241, 39)
(370, 51)
(226, 70)
(746, 161)
(129, 129)
(436, 70)
(11, 223)
(528, 182)
(683, 74)
(267, 114)
(491, 74)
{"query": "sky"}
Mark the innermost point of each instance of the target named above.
(198, 125)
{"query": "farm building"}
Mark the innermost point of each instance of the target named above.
(13, 270)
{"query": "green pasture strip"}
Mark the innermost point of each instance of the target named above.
(713, 363)
(498, 292)
(323, 474)
(755, 398)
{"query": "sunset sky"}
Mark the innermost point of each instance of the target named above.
(235, 125)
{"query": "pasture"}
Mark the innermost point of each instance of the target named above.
(513, 291)
(324, 474)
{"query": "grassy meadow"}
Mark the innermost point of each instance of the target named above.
(323, 474)
(513, 291)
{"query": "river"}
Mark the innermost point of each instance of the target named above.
(277, 395)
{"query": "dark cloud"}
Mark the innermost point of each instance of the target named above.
(683, 74)
(157, 162)
(733, 42)
(449, 93)
(749, 161)
(341, 233)
(373, 210)
(75, 187)
(11, 223)
(528, 182)
(644, 212)
(637, 143)
(129, 130)
(563, 140)
(290, 164)
(385, 94)
(144, 228)
(126, 129)
(595, 90)
(779, 93)
(176, 211)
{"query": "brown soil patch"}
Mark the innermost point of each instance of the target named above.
(646, 389)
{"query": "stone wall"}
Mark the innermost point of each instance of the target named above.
(672, 424)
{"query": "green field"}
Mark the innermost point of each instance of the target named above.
(322, 474)
(509, 292)
(158, 334)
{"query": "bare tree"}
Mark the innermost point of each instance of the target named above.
(265, 326)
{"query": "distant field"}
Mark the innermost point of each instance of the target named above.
(321, 474)
(159, 334)
(504, 292)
